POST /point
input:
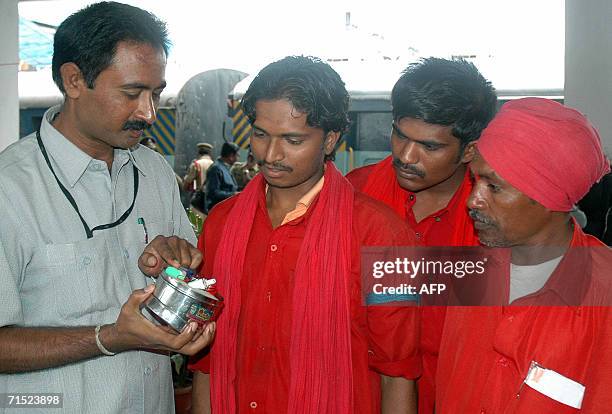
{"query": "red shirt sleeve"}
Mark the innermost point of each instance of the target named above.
(393, 331)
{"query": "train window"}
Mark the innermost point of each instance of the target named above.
(373, 131)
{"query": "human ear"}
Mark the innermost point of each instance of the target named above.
(330, 142)
(72, 79)
(468, 152)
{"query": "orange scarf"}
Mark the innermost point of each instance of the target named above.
(320, 348)
(382, 185)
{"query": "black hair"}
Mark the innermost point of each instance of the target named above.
(204, 151)
(229, 148)
(89, 37)
(446, 92)
(312, 87)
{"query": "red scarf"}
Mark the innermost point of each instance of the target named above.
(320, 348)
(382, 185)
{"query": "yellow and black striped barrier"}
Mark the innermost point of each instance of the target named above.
(163, 130)
(241, 130)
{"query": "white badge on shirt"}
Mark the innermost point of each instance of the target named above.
(554, 385)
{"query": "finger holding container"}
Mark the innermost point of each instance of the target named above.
(179, 299)
(183, 316)
(168, 251)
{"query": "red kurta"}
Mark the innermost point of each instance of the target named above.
(486, 352)
(437, 229)
(384, 340)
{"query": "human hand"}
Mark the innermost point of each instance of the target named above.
(164, 251)
(133, 331)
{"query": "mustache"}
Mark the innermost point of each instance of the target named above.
(408, 167)
(136, 126)
(274, 166)
(478, 216)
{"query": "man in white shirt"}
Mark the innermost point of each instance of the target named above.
(87, 213)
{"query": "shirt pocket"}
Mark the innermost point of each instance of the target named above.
(531, 401)
(144, 235)
(160, 228)
(66, 274)
(135, 245)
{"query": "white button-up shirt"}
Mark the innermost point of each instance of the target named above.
(51, 275)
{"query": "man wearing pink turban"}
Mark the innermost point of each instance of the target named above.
(549, 351)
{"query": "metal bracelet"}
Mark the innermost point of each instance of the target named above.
(100, 346)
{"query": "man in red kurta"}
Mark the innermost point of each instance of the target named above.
(549, 352)
(294, 336)
(440, 108)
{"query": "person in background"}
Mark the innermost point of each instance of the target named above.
(597, 206)
(150, 143)
(220, 183)
(87, 214)
(244, 172)
(286, 252)
(195, 180)
(548, 353)
(440, 108)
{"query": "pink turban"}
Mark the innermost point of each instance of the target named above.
(547, 151)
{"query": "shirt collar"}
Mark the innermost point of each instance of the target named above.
(571, 278)
(304, 203)
(457, 200)
(301, 207)
(135, 156)
(223, 163)
(71, 162)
